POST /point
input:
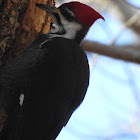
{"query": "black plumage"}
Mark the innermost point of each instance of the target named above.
(53, 77)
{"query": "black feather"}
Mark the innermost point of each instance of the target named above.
(54, 78)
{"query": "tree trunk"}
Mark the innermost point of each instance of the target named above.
(20, 23)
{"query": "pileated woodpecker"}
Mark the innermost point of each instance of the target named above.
(52, 73)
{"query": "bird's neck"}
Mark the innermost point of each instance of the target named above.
(81, 34)
(77, 36)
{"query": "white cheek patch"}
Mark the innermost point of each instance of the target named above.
(71, 28)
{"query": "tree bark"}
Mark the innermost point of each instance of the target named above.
(20, 23)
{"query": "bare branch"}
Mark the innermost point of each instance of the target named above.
(127, 12)
(122, 11)
(93, 61)
(126, 53)
(131, 5)
(132, 20)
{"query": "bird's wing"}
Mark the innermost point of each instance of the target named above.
(56, 85)
(12, 77)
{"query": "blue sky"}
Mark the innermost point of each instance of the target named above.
(109, 108)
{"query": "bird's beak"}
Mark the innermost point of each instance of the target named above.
(51, 10)
(54, 13)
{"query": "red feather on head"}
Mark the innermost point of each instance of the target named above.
(85, 14)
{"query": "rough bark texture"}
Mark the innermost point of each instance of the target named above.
(20, 23)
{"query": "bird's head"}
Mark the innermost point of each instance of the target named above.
(71, 20)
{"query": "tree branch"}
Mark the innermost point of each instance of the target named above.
(121, 10)
(127, 11)
(135, 7)
(126, 53)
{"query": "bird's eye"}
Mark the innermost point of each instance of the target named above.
(52, 25)
(54, 28)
